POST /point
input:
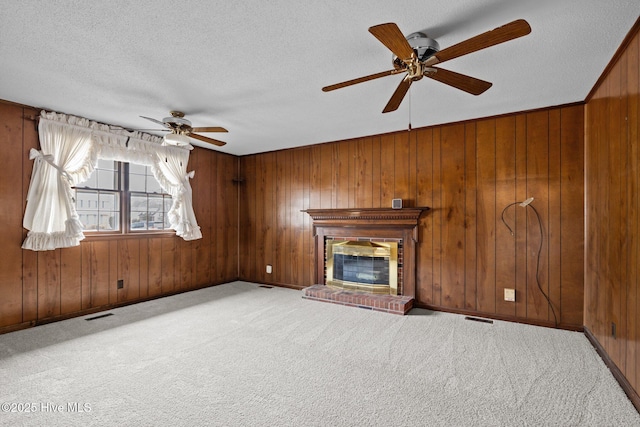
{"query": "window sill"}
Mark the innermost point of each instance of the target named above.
(97, 236)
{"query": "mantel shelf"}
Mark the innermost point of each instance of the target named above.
(381, 216)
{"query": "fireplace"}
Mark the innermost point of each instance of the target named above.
(362, 265)
(354, 253)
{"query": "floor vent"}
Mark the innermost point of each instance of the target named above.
(266, 287)
(477, 319)
(99, 316)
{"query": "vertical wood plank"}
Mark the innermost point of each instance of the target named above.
(70, 280)
(100, 269)
(486, 214)
(217, 200)
(11, 203)
(554, 231)
(621, 326)
(201, 186)
(48, 284)
(401, 168)
(437, 214)
(614, 246)
(281, 212)
(341, 183)
(593, 120)
(29, 258)
(387, 169)
(168, 267)
(538, 187)
(376, 162)
(269, 224)
(352, 179)
(363, 173)
(231, 215)
(259, 215)
(86, 276)
(470, 219)
(185, 264)
(572, 215)
(144, 268)
(315, 201)
(155, 266)
(112, 279)
(248, 196)
(411, 164)
(129, 267)
(453, 198)
(505, 196)
(424, 197)
(226, 249)
(298, 202)
(520, 217)
(326, 179)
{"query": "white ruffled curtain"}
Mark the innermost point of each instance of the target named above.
(64, 161)
(70, 149)
(172, 174)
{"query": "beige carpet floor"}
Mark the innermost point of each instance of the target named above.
(243, 355)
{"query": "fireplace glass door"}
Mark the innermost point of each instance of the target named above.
(362, 265)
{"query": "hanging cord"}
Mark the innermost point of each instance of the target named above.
(555, 318)
(409, 109)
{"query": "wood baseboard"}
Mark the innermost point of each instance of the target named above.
(568, 327)
(33, 323)
(617, 373)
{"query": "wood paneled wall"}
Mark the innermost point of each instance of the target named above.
(467, 173)
(41, 286)
(613, 211)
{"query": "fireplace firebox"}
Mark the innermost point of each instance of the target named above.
(362, 265)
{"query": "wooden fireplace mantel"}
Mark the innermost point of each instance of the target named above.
(369, 217)
(374, 223)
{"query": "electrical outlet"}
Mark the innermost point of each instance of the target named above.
(269, 269)
(510, 295)
(120, 284)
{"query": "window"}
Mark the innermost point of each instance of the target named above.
(148, 204)
(122, 197)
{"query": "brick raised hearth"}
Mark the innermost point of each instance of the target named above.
(374, 224)
(386, 303)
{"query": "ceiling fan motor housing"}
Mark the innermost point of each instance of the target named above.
(423, 46)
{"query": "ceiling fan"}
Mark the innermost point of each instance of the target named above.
(180, 130)
(417, 56)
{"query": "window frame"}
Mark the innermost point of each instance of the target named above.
(123, 194)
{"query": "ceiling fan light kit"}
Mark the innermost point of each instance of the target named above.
(177, 139)
(416, 55)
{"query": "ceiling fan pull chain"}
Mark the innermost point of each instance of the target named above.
(409, 109)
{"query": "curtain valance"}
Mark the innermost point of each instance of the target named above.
(70, 149)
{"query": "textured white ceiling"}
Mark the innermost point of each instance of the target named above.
(257, 67)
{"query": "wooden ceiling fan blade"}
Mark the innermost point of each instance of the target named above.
(360, 80)
(510, 31)
(206, 139)
(398, 95)
(210, 129)
(155, 121)
(390, 35)
(459, 81)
